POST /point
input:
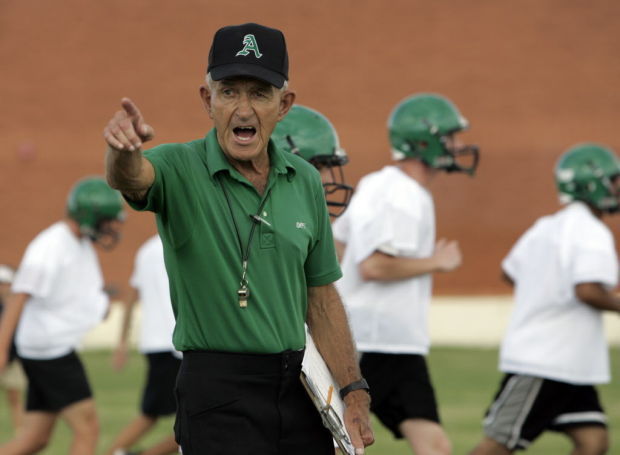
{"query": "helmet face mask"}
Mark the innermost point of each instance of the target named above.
(589, 173)
(337, 193)
(422, 127)
(447, 158)
(97, 209)
(309, 134)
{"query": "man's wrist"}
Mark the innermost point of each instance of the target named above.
(360, 384)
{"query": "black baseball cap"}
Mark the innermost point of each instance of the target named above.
(251, 50)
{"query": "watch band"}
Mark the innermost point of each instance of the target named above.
(355, 385)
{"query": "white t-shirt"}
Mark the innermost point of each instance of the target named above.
(151, 280)
(551, 333)
(62, 275)
(392, 213)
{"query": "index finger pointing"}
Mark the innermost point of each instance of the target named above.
(131, 109)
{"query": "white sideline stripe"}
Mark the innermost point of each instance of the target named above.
(576, 417)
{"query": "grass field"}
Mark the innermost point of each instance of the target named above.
(465, 380)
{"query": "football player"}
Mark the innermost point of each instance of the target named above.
(389, 260)
(57, 297)
(563, 269)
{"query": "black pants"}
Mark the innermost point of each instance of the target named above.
(238, 404)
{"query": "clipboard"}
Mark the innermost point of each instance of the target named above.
(324, 392)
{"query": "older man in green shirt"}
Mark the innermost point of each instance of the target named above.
(250, 257)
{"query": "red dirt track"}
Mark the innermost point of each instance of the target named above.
(533, 77)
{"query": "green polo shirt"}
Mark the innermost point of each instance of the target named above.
(291, 249)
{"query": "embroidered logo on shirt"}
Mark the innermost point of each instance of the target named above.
(300, 225)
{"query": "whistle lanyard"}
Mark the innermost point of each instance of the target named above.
(243, 293)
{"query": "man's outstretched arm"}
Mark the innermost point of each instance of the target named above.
(126, 169)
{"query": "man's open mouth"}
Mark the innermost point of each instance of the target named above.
(244, 133)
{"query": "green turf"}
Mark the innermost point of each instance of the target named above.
(465, 381)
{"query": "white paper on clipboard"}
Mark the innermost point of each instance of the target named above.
(317, 380)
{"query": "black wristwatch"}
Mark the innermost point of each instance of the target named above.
(355, 385)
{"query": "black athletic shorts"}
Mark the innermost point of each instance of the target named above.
(526, 406)
(158, 395)
(239, 404)
(401, 389)
(54, 384)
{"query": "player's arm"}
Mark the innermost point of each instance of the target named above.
(120, 353)
(328, 325)
(126, 168)
(597, 296)
(10, 317)
(380, 266)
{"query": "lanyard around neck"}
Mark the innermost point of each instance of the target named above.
(244, 292)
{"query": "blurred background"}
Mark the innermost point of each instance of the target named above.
(533, 77)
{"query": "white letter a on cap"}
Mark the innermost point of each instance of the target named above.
(249, 45)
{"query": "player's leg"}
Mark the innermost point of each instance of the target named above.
(84, 424)
(51, 387)
(60, 386)
(523, 408)
(33, 435)
(404, 400)
(583, 421)
(16, 406)
(489, 446)
(14, 381)
(157, 401)
(426, 437)
(132, 432)
(591, 440)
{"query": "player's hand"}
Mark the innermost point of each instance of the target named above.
(127, 129)
(357, 420)
(447, 255)
(119, 358)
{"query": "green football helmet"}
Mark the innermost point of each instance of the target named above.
(309, 134)
(586, 172)
(420, 127)
(91, 203)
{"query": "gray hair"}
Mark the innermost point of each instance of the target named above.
(209, 80)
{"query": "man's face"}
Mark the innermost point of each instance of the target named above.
(245, 112)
